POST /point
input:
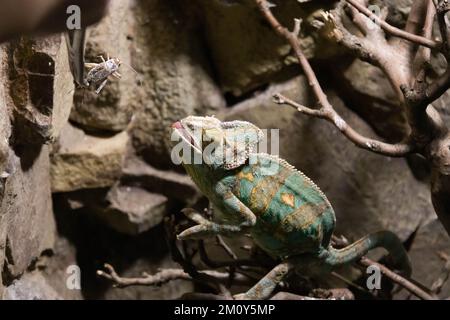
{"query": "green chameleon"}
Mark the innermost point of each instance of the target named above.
(288, 216)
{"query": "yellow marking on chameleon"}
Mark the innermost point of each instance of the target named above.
(289, 199)
(248, 176)
(264, 192)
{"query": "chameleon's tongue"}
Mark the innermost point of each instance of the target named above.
(177, 125)
(185, 133)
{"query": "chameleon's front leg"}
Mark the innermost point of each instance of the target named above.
(206, 228)
(265, 287)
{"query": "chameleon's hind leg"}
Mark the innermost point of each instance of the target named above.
(265, 287)
(383, 239)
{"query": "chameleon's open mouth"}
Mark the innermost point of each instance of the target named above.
(185, 134)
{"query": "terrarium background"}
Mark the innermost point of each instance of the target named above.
(90, 186)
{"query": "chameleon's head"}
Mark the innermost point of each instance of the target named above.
(225, 145)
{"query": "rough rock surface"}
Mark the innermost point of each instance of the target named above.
(166, 182)
(82, 161)
(159, 41)
(429, 253)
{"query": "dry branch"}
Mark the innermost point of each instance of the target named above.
(393, 30)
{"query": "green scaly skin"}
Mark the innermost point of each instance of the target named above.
(287, 215)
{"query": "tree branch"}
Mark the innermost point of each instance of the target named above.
(387, 149)
(395, 277)
(165, 276)
(326, 110)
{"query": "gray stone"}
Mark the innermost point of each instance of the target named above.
(41, 87)
(368, 93)
(28, 218)
(166, 182)
(133, 210)
(246, 52)
(111, 110)
(31, 286)
(177, 79)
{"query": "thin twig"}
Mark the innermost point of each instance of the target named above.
(164, 276)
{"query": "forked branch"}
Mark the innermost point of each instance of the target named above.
(393, 30)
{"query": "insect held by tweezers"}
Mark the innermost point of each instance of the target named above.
(99, 72)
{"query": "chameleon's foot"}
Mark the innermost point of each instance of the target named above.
(200, 231)
(265, 287)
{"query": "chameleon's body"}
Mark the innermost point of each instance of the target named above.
(287, 215)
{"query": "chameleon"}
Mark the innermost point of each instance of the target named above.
(284, 211)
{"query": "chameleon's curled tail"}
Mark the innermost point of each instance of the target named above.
(383, 239)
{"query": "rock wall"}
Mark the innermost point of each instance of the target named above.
(87, 179)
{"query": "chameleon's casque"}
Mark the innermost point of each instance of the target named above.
(287, 215)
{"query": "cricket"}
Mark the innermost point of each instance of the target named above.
(100, 72)
(259, 150)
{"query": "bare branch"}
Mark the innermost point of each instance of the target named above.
(424, 54)
(164, 276)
